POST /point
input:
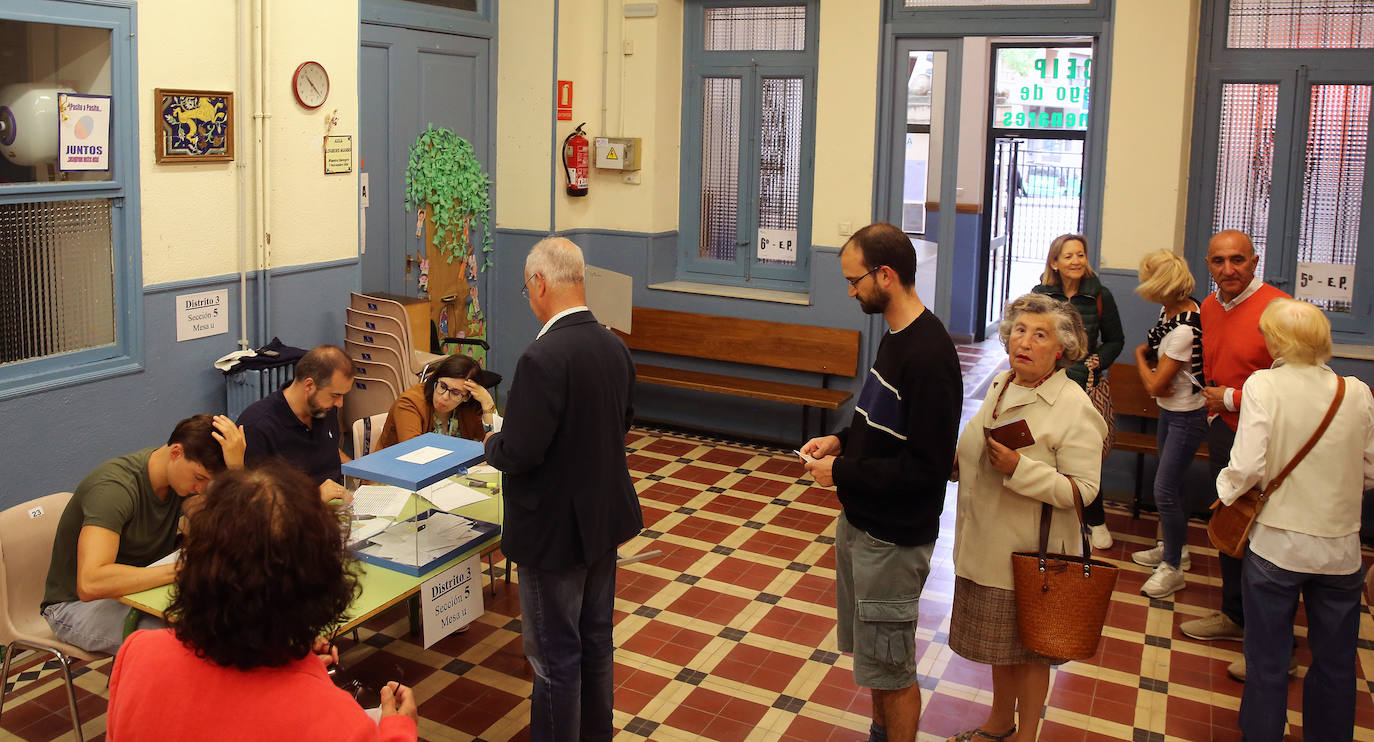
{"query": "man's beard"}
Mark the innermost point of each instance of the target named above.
(875, 305)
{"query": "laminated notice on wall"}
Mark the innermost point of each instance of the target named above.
(1325, 281)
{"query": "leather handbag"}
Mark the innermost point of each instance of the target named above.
(1229, 527)
(1061, 599)
(1100, 393)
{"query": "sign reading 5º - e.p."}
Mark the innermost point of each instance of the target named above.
(451, 599)
(1317, 281)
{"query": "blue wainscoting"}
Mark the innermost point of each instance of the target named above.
(53, 439)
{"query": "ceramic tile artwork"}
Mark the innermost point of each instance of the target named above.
(729, 634)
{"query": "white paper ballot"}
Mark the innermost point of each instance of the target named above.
(169, 559)
(481, 470)
(447, 494)
(363, 530)
(380, 499)
(423, 455)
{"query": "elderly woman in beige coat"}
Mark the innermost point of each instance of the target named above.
(1000, 494)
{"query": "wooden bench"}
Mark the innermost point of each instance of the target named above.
(1130, 399)
(826, 351)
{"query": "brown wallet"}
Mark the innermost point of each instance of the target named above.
(1013, 435)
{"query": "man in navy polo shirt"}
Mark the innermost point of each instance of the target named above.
(298, 423)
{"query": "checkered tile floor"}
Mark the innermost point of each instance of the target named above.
(729, 633)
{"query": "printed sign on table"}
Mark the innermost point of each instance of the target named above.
(451, 600)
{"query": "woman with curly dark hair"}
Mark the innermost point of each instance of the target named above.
(262, 577)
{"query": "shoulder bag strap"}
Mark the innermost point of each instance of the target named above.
(1326, 421)
(1047, 512)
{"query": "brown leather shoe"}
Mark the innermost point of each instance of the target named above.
(1237, 669)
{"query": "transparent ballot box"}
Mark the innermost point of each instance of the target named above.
(422, 508)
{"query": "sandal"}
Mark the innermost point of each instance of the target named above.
(973, 735)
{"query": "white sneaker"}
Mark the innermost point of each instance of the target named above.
(1101, 538)
(1152, 557)
(1164, 582)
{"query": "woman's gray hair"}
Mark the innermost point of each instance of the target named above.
(558, 260)
(1068, 325)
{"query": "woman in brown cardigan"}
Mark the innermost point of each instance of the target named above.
(448, 401)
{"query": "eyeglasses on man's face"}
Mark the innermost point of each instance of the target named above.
(854, 282)
(525, 287)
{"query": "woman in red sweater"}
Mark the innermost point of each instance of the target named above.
(263, 575)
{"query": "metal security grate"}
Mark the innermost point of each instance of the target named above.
(754, 29)
(720, 106)
(1333, 181)
(1245, 161)
(1300, 24)
(56, 278)
(780, 135)
(987, 3)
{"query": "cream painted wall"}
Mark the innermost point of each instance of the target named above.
(314, 216)
(190, 214)
(641, 96)
(1149, 133)
(846, 113)
(524, 107)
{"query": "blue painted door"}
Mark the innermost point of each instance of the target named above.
(409, 80)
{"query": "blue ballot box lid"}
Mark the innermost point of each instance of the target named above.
(388, 467)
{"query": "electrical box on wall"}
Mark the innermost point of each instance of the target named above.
(617, 153)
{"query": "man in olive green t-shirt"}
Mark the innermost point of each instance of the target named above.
(122, 518)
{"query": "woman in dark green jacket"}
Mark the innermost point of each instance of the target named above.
(1068, 277)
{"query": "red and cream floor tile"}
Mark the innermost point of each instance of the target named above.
(729, 633)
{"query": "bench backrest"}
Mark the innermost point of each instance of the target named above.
(1128, 393)
(822, 350)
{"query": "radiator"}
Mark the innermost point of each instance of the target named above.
(246, 387)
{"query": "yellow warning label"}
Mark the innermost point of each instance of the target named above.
(611, 155)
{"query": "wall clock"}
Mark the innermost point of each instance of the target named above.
(310, 83)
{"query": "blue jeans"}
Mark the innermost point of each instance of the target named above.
(565, 619)
(95, 625)
(1333, 624)
(1220, 438)
(1180, 434)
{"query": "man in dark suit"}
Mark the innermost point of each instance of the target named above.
(569, 499)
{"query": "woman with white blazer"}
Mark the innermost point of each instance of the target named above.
(1306, 540)
(1000, 495)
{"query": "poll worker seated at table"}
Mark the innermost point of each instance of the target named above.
(122, 518)
(299, 423)
(451, 401)
(262, 578)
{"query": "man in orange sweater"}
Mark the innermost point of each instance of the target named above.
(1232, 349)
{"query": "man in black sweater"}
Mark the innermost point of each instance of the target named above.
(890, 467)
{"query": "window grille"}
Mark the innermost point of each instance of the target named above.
(720, 117)
(1300, 24)
(56, 278)
(780, 135)
(1245, 161)
(1333, 178)
(756, 29)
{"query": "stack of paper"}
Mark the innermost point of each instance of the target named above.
(436, 536)
(381, 500)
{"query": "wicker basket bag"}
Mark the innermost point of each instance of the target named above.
(1061, 600)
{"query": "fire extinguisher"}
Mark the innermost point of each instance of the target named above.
(575, 161)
